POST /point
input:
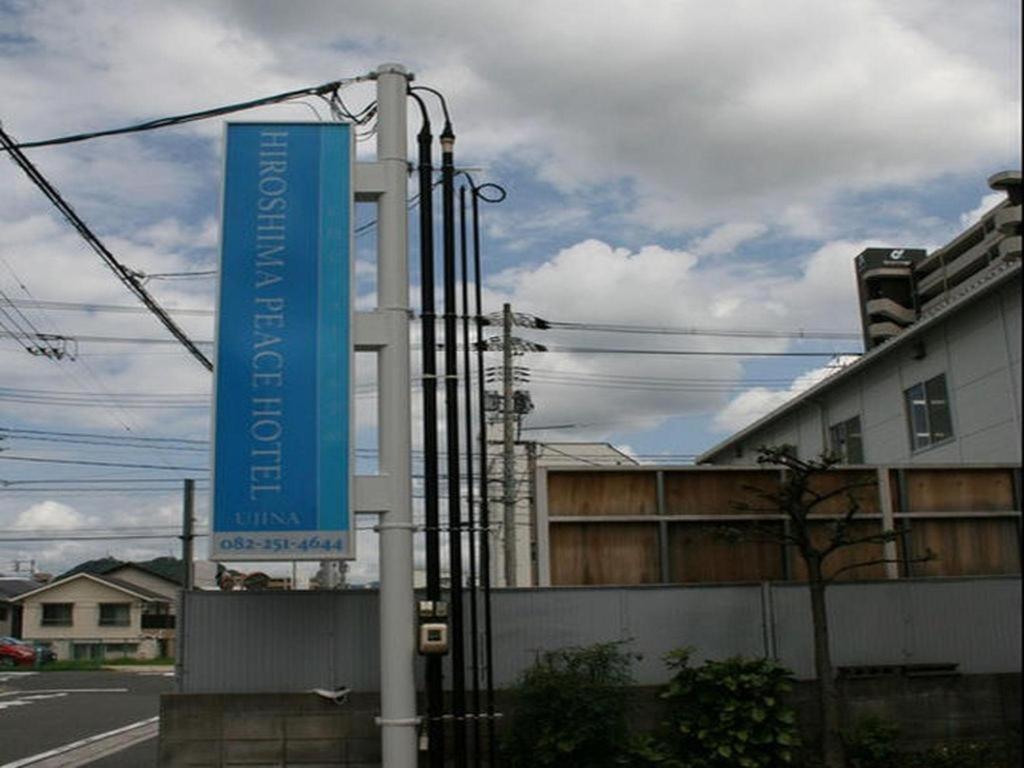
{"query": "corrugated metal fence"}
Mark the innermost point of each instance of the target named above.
(293, 641)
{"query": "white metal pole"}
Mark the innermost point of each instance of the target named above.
(397, 631)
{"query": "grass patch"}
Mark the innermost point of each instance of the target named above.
(70, 665)
(161, 661)
(92, 665)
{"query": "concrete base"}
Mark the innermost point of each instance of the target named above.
(303, 729)
(268, 730)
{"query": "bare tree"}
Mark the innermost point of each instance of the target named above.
(821, 518)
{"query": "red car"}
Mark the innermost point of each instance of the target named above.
(13, 654)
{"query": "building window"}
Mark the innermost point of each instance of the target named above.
(928, 413)
(57, 614)
(846, 441)
(3, 613)
(120, 650)
(115, 614)
(83, 651)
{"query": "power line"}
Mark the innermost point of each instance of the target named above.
(178, 275)
(85, 463)
(133, 437)
(125, 275)
(756, 333)
(165, 122)
(102, 444)
(91, 307)
(127, 480)
(68, 372)
(113, 537)
(696, 352)
(116, 339)
(88, 403)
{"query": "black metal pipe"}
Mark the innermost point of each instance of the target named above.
(474, 623)
(434, 669)
(451, 387)
(485, 515)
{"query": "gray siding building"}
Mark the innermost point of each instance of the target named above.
(946, 388)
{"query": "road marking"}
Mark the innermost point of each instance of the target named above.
(5, 676)
(29, 699)
(65, 690)
(93, 747)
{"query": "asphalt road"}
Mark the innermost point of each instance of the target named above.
(40, 712)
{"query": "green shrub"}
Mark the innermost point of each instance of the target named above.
(728, 714)
(965, 754)
(570, 710)
(872, 744)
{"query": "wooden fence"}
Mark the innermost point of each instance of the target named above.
(647, 525)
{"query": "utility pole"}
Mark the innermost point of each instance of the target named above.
(508, 422)
(187, 536)
(531, 474)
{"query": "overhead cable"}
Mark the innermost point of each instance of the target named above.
(165, 122)
(85, 463)
(699, 352)
(92, 307)
(752, 333)
(125, 275)
(98, 435)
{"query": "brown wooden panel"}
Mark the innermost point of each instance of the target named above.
(965, 547)
(959, 490)
(715, 493)
(584, 554)
(700, 553)
(844, 556)
(861, 486)
(602, 493)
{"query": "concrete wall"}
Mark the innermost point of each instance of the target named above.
(979, 351)
(227, 730)
(252, 659)
(297, 729)
(291, 642)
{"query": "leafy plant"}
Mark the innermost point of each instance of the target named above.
(729, 714)
(872, 744)
(571, 710)
(965, 754)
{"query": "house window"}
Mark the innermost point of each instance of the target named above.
(120, 650)
(928, 413)
(846, 441)
(3, 613)
(57, 614)
(115, 614)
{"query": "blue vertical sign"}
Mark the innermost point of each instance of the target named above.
(282, 487)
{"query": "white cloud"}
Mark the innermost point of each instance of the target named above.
(597, 283)
(725, 112)
(51, 514)
(756, 402)
(987, 203)
(727, 116)
(727, 237)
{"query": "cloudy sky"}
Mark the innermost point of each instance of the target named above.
(675, 163)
